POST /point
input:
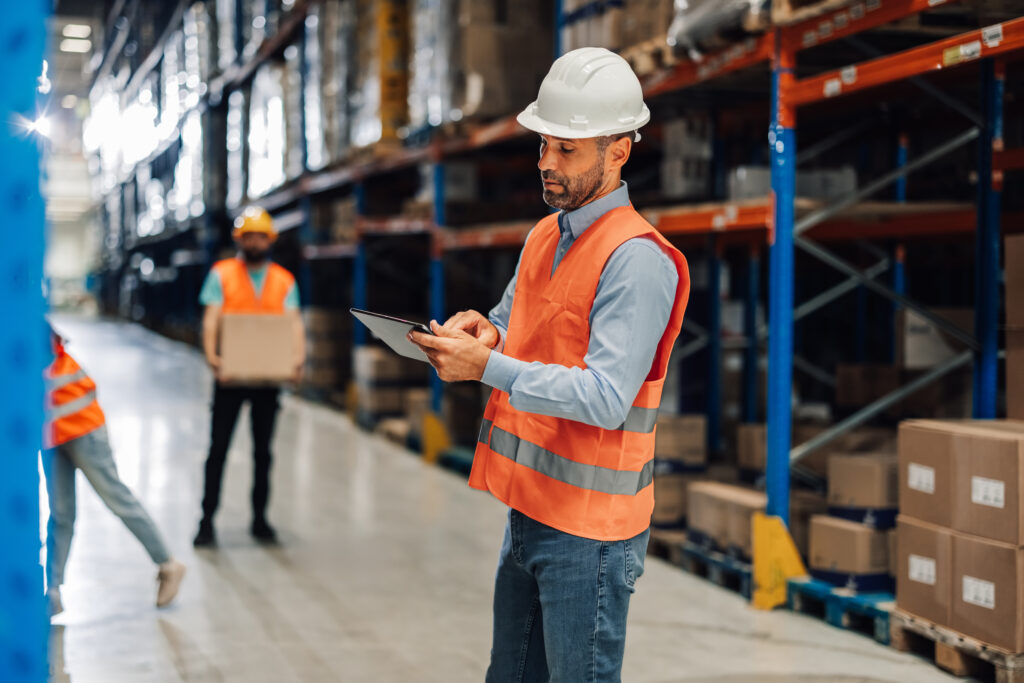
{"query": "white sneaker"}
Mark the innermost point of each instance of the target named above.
(56, 606)
(170, 575)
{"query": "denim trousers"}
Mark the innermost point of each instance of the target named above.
(90, 453)
(560, 604)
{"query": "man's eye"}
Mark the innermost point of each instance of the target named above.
(567, 150)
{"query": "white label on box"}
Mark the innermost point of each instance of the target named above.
(922, 570)
(979, 592)
(921, 478)
(990, 492)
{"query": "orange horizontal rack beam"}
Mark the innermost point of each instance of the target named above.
(740, 56)
(502, 235)
(991, 41)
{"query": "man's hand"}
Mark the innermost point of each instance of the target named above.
(214, 363)
(456, 355)
(476, 325)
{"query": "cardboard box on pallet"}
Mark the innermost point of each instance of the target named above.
(838, 545)
(375, 364)
(966, 475)
(803, 506)
(863, 480)
(924, 569)
(741, 506)
(894, 558)
(707, 512)
(682, 439)
(1015, 371)
(670, 499)
(988, 591)
(1013, 274)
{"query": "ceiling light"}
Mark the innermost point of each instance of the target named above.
(80, 45)
(41, 126)
(77, 31)
(69, 102)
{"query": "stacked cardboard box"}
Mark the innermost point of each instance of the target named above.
(680, 458)
(849, 554)
(755, 182)
(859, 384)
(615, 25)
(328, 347)
(961, 527)
(467, 60)
(751, 445)
(921, 344)
(720, 515)
(1014, 274)
(864, 488)
(686, 164)
(382, 379)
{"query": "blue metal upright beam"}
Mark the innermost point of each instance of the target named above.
(714, 367)
(902, 153)
(899, 285)
(437, 291)
(23, 618)
(986, 257)
(751, 353)
(360, 272)
(782, 139)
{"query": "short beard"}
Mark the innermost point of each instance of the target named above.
(253, 256)
(576, 191)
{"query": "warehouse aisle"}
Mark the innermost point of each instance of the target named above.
(385, 569)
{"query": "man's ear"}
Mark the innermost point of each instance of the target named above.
(618, 153)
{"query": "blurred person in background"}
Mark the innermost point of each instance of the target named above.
(75, 437)
(247, 283)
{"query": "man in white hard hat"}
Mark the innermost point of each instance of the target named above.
(576, 352)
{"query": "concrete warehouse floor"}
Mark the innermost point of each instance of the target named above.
(385, 569)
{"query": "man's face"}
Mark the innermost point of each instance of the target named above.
(254, 246)
(572, 171)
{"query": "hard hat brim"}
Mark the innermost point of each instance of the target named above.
(531, 121)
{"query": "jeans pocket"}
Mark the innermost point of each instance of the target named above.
(634, 550)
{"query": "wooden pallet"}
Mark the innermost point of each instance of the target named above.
(649, 56)
(866, 613)
(667, 544)
(718, 568)
(953, 651)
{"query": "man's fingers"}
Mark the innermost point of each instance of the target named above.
(426, 341)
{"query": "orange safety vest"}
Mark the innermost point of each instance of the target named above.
(580, 479)
(71, 407)
(239, 294)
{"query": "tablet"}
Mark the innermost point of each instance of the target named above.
(392, 331)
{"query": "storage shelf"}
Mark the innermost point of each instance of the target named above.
(321, 252)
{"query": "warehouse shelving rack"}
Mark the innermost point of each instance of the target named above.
(778, 224)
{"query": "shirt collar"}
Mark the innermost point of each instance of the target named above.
(582, 218)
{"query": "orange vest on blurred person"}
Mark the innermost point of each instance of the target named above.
(71, 407)
(580, 479)
(239, 295)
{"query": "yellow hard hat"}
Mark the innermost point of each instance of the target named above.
(254, 219)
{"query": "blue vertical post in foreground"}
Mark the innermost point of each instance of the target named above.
(23, 349)
(714, 369)
(437, 276)
(902, 152)
(751, 353)
(360, 274)
(986, 254)
(899, 285)
(782, 138)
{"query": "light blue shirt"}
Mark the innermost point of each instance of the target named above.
(212, 293)
(634, 301)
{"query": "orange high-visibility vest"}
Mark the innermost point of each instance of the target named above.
(71, 407)
(580, 479)
(239, 295)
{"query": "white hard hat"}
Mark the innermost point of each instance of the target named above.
(588, 93)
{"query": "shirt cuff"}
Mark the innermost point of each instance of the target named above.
(501, 371)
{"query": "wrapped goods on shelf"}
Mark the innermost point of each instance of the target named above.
(152, 200)
(185, 199)
(701, 25)
(237, 150)
(336, 29)
(380, 91)
(266, 135)
(467, 59)
(172, 86)
(752, 182)
(646, 20)
(294, 130)
(686, 164)
(313, 92)
(615, 24)
(227, 40)
(200, 43)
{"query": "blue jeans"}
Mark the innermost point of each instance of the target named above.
(560, 604)
(91, 454)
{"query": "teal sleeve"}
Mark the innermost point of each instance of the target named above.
(291, 299)
(212, 294)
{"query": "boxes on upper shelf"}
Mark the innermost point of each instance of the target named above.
(848, 553)
(681, 442)
(921, 344)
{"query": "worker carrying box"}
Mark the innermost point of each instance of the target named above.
(253, 338)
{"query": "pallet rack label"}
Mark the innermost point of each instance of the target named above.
(992, 36)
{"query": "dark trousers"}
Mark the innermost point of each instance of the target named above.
(227, 401)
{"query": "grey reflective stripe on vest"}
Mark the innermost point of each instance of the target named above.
(65, 409)
(485, 431)
(640, 420)
(61, 381)
(580, 475)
